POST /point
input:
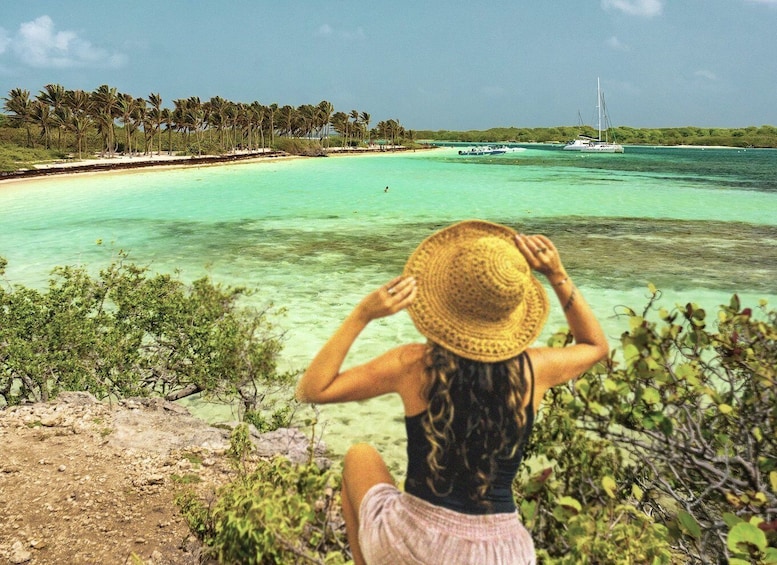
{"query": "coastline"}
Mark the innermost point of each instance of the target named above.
(129, 162)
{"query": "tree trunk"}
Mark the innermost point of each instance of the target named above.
(183, 393)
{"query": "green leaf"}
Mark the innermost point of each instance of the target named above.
(630, 352)
(610, 385)
(570, 503)
(528, 512)
(773, 481)
(609, 485)
(770, 556)
(689, 524)
(725, 408)
(666, 426)
(731, 520)
(651, 396)
(637, 492)
(744, 537)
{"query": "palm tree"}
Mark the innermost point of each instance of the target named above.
(41, 115)
(355, 124)
(54, 97)
(237, 121)
(286, 118)
(106, 108)
(272, 109)
(128, 110)
(155, 118)
(341, 124)
(168, 121)
(189, 116)
(80, 105)
(365, 119)
(217, 109)
(64, 116)
(18, 102)
(394, 131)
(306, 117)
(325, 110)
(257, 113)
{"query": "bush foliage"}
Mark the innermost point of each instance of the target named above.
(274, 511)
(764, 136)
(127, 332)
(672, 446)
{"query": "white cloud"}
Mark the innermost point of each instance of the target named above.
(705, 74)
(358, 33)
(642, 8)
(328, 31)
(615, 43)
(39, 44)
(324, 30)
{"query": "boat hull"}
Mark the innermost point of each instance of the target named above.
(489, 150)
(603, 148)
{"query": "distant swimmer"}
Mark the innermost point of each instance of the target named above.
(385, 189)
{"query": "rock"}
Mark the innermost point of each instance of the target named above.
(19, 554)
(290, 442)
(76, 398)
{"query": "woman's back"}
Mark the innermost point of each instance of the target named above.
(464, 450)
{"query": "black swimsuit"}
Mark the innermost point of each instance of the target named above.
(498, 499)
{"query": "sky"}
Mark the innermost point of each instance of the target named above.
(430, 64)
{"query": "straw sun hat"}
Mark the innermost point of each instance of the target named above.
(476, 294)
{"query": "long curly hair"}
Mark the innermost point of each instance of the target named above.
(474, 417)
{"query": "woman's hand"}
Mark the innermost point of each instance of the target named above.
(541, 255)
(389, 299)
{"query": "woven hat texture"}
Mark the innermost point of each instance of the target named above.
(476, 294)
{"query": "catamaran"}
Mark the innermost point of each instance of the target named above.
(586, 144)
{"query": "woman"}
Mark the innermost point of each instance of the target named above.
(470, 394)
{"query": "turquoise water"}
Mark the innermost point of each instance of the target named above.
(314, 235)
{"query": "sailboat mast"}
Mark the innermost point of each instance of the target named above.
(599, 106)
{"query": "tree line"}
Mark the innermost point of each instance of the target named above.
(85, 122)
(752, 136)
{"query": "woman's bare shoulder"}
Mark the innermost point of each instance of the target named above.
(412, 353)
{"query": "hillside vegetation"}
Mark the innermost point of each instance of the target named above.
(764, 136)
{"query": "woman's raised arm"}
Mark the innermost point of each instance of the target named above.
(557, 365)
(323, 381)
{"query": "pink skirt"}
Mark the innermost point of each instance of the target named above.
(397, 528)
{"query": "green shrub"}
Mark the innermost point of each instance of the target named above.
(127, 332)
(683, 422)
(299, 146)
(274, 512)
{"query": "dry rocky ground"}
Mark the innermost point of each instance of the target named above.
(83, 482)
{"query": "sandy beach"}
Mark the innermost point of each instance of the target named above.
(125, 162)
(122, 162)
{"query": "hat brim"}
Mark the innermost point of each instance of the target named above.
(471, 338)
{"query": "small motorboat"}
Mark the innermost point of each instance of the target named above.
(490, 150)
